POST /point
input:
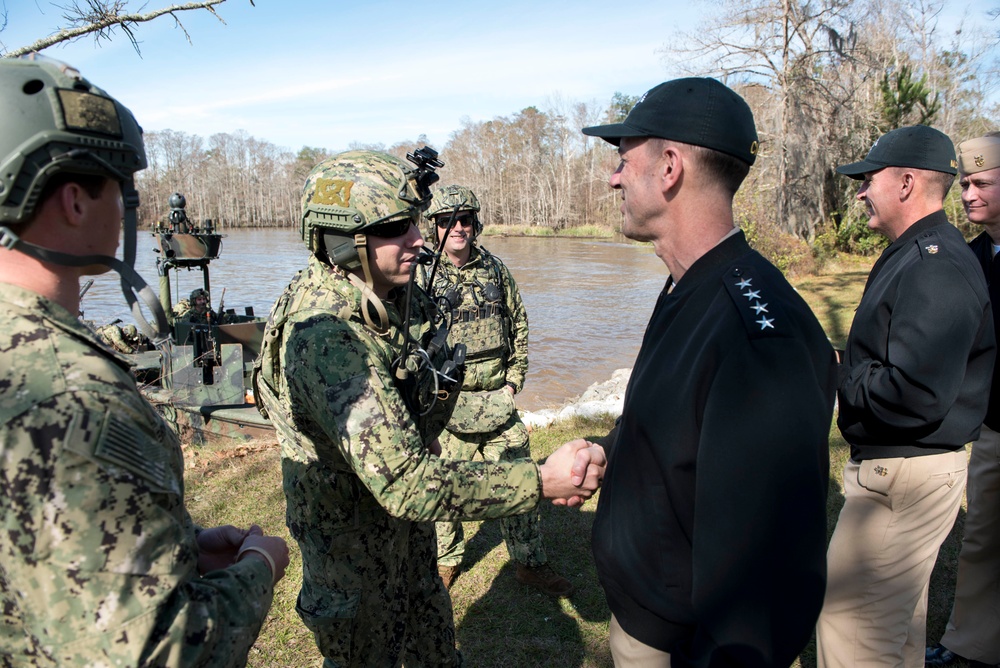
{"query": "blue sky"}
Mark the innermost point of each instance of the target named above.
(326, 72)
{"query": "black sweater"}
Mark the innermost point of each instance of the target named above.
(710, 533)
(919, 359)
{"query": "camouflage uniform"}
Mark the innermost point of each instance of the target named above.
(361, 486)
(126, 340)
(485, 420)
(98, 559)
(184, 311)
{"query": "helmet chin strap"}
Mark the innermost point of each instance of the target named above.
(368, 296)
(131, 281)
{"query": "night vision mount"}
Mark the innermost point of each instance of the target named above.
(426, 160)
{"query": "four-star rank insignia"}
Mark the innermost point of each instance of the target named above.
(748, 294)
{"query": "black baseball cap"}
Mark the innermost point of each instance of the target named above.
(698, 111)
(916, 146)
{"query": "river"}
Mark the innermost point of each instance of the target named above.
(588, 301)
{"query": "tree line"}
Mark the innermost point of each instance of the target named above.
(823, 77)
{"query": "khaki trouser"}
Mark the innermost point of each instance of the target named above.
(896, 514)
(628, 652)
(974, 627)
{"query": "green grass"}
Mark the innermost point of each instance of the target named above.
(498, 621)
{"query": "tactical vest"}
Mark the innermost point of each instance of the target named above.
(481, 321)
(430, 414)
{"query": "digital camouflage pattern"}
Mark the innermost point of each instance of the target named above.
(98, 559)
(362, 488)
(448, 197)
(443, 203)
(521, 533)
(485, 420)
(496, 338)
(357, 189)
(185, 309)
(126, 340)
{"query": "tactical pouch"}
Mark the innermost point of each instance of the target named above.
(483, 336)
(481, 412)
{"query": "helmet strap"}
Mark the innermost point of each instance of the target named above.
(131, 281)
(368, 296)
(130, 198)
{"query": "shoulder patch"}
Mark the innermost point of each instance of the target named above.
(761, 316)
(112, 441)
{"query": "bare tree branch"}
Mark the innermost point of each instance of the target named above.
(100, 18)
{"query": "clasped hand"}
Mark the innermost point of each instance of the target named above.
(573, 473)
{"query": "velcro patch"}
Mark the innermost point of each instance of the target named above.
(120, 444)
(89, 112)
(333, 192)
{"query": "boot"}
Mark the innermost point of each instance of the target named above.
(544, 579)
(448, 575)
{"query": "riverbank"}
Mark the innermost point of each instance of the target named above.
(602, 399)
(581, 232)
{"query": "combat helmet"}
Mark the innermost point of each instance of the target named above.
(198, 292)
(454, 199)
(356, 193)
(57, 122)
(348, 194)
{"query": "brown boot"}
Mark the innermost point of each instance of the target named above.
(448, 575)
(544, 579)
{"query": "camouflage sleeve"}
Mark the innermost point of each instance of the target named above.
(517, 362)
(339, 377)
(98, 554)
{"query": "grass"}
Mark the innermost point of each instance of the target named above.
(580, 232)
(834, 292)
(498, 621)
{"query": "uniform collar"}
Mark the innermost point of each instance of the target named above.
(927, 222)
(732, 246)
(939, 217)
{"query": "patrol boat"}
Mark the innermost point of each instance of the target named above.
(200, 378)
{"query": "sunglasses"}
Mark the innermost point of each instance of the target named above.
(391, 229)
(464, 221)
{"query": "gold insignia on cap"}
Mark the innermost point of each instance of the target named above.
(932, 248)
(954, 163)
(333, 192)
(979, 154)
(753, 147)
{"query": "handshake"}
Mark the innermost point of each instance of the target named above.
(573, 473)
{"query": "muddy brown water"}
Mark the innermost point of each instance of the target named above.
(588, 301)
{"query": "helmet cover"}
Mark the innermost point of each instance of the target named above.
(454, 199)
(350, 192)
